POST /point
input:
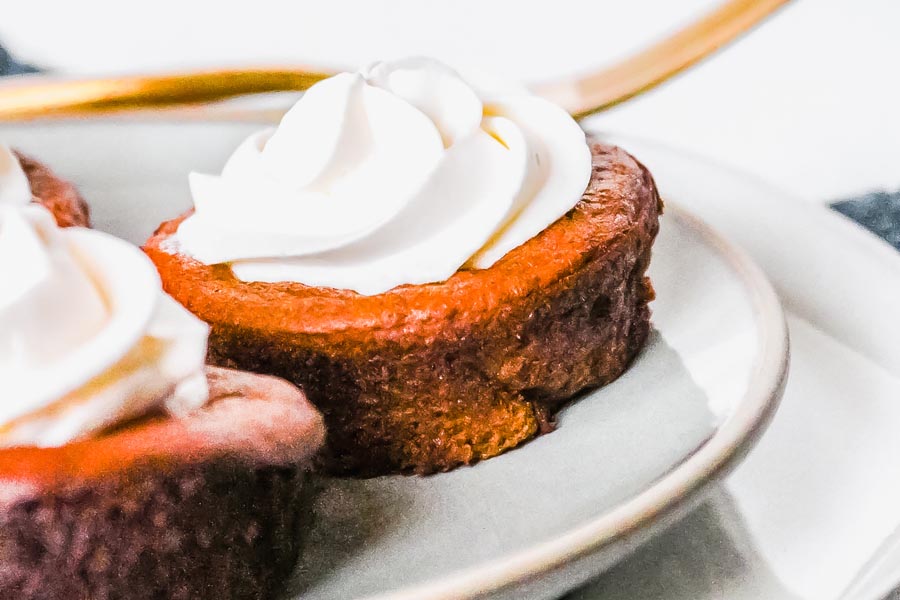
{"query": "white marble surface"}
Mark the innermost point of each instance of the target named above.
(810, 102)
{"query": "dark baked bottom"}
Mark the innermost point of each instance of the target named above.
(202, 508)
(57, 195)
(426, 378)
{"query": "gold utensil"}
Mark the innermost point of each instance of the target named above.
(63, 98)
(586, 95)
(652, 66)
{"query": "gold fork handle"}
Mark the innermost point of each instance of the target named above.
(48, 98)
(590, 94)
(657, 63)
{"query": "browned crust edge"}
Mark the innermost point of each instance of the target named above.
(57, 195)
(208, 506)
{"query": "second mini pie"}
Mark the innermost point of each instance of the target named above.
(440, 264)
(128, 468)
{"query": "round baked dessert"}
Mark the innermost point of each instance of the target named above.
(127, 468)
(24, 180)
(450, 329)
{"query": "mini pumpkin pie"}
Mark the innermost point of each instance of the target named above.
(441, 263)
(24, 180)
(127, 468)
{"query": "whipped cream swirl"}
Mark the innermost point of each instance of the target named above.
(87, 337)
(15, 189)
(400, 174)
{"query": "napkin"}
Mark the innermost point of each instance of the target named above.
(770, 531)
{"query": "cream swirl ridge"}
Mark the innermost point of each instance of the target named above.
(14, 186)
(87, 337)
(400, 174)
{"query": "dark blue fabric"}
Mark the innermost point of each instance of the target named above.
(879, 212)
(8, 66)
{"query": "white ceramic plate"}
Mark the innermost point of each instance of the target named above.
(535, 522)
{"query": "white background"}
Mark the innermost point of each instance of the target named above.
(810, 101)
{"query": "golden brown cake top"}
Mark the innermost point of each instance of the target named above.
(620, 201)
(252, 419)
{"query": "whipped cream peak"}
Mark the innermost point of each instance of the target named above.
(399, 174)
(15, 189)
(87, 337)
(44, 286)
(435, 89)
